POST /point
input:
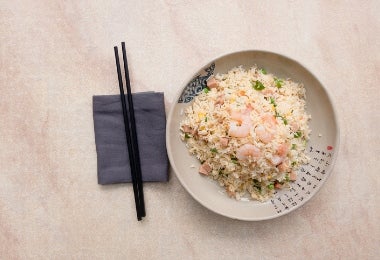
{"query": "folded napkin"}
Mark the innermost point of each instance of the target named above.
(111, 144)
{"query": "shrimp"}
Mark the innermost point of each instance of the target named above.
(264, 135)
(280, 156)
(241, 124)
(269, 120)
(264, 132)
(240, 115)
(276, 160)
(237, 116)
(247, 150)
(237, 130)
(282, 149)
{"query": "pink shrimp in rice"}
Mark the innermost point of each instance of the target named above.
(263, 134)
(247, 151)
(240, 124)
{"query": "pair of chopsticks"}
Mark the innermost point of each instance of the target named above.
(130, 132)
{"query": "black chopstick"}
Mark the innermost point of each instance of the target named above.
(133, 131)
(129, 138)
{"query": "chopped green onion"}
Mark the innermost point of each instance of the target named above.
(214, 150)
(278, 82)
(270, 186)
(187, 136)
(234, 160)
(287, 177)
(273, 102)
(276, 114)
(294, 163)
(257, 85)
(206, 119)
(263, 71)
(294, 146)
(297, 134)
(206, 90)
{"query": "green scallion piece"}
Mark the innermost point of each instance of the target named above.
(294, 146)
(206, 90)
(257, 85)
(278, 82)
(263, 71)
(297, 134)
(214, 150)
(187, 136)
(271, 186)
(273, 102)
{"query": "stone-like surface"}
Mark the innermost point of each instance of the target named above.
(56, 54)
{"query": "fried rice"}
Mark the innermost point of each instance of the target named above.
(249, 130)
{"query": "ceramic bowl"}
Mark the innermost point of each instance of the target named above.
(322, 147)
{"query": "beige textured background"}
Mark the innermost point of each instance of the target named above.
(56, 54)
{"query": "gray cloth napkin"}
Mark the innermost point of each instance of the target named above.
(111, 145)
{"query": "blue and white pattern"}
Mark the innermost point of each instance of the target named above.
(309, 178)
(196, 85)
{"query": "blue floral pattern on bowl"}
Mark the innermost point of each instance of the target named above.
(196, 85)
